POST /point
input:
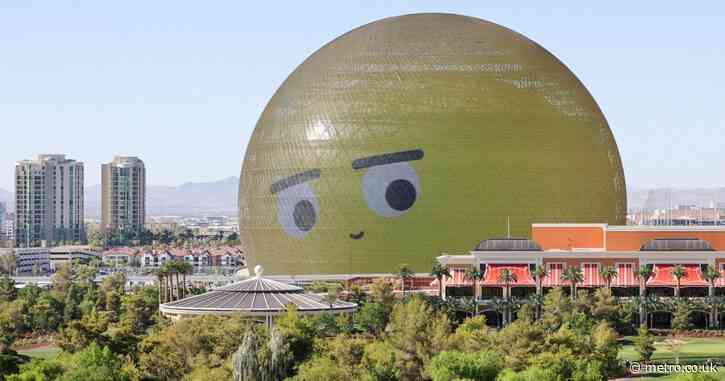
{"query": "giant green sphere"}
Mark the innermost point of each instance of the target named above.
(422, 134)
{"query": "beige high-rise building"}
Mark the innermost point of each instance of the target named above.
(49, 201)
(123, 199)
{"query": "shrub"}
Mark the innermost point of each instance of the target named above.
(451, 365)
(644, 344)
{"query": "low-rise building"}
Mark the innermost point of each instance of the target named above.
(591, 247)
(29, 261)
(61, 255)
(227, 256)
(123, 256)
(198, 257)
(154, 258)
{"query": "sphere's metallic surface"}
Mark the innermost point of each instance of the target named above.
(419, 134)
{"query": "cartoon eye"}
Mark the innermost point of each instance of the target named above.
(390, 190)
(297, 210)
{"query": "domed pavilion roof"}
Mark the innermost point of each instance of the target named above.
(256, 296)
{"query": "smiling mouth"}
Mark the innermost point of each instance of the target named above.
(357, 235)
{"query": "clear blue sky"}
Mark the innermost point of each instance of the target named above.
(182, 83)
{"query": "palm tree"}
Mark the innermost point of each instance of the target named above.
(643, 274)
(608, 273)
(160, 274)
(539, 274)
(574, 276)
(169, 270)
(711, 275)
(404, 273)
(507, 277)
(678, 272)
(474, 274)
(184, 268)
(439, 272)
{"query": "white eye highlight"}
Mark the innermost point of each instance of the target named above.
(391, 189)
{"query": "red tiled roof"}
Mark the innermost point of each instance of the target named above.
(520, 271)
(625, 276)
(120, 250)
(663, 276)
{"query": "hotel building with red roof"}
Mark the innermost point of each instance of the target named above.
(591, 247)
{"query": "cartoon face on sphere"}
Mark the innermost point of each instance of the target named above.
(417, 135)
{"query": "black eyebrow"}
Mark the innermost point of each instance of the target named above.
(295, 179)
(387, 158)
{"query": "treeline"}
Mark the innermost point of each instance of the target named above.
(79, 313)
(111, 335)
(145, 237)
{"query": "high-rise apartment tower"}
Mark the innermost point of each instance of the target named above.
(123, 200)
(49, 201)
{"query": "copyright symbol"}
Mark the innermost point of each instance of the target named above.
(634, 367)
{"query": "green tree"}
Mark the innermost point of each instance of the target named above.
(644, 344)
(321, 368)
(453, 365)
(161, 274)
(61, 282)
(184, 268)
(39, 370)
(416, 333)
(507, 277)
(473, 335)
(574, 276)
(94, 364)
(439, 272)
(608, 273)
(681, 317)
(606, 349)
(170, 352)
(8, 293)
(381, 291)
(530, 374)
(521, 340)
(405, 274)
(45, 314)
(247, 363)
(711, 275)
(605, 306)
(678, 272)
(7, 264)
(643, 273)
(232, 239)
(474, 274)
(556, 308)
(11, 318)
(372, 318)
(379, 362)
(298, 332)
(539, 274)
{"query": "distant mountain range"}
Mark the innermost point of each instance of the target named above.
(187, 200)
(220, 198)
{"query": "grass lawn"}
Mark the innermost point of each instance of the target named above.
(695, 350)
(40, 353)
(670, 377)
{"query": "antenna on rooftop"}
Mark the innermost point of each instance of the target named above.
(508, 227)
